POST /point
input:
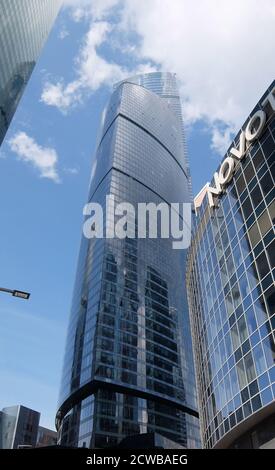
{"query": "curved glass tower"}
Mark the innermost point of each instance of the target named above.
(24, 28)
(231, 293)
(165, 86)
(128, 365)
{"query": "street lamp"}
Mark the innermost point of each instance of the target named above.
(16, 293)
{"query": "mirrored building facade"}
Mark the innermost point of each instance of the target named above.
(24, 28)
(231, 294)
(19, 427)
(128, 365)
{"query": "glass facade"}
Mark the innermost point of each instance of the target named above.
(24, 27)
(46, 437)
(19, 427)
(231, 295)
(165, 86)
(128, 365)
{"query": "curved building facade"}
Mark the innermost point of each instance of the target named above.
(24, 28)
(231, 293)
(128, 365)
(165, 86)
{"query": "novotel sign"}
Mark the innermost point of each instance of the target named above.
(251, 133)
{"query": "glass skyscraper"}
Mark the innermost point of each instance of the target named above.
(19, 426)
(24, 27)
(128, 365)
(231, 293)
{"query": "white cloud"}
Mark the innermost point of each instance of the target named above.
(62, 96)
(93, 71)
(221, 138)
(221, 51)
(63, 33)
(71, 171)
(84, 9)
(44, 159)
(78, 14)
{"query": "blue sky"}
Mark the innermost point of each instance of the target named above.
(47, 154)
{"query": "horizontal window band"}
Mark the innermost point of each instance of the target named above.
(113, 168)
(95, 385)
(147, 132)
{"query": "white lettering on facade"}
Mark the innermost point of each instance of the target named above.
(251, 133)
(253, 130)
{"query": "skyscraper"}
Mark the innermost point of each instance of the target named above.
(231, 293)
(24, 28)
(165, 86)
(128, 365)
(19, 427)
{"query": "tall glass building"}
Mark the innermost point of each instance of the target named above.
(24, 28)
(128, 365)
(231, 293)
(19, 427)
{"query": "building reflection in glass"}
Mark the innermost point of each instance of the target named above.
(230, 279)
(24, 28)
(128, 365)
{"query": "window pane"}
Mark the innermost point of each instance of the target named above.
(271, 254)
(269, 349)
(259, 359)
(256, 196)
(242, 329)
(254, 235)
(240, 183)
(249, 367)
(249, 172)
(258, 159)
(241, 374)
(234, 381)
(266, 183)
(247, 208)
(251, 321)
(235, 337)
(260, 311)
